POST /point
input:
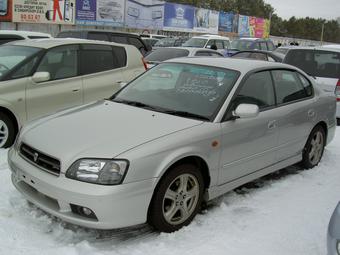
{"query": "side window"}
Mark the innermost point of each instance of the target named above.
(202, 53)
(211, 42)
(263, 46)
(258, 56)
(119, 56)
(257, 89)
(226, 44)
(270, 59)
(98, 36)
(119, 39)
(270, 46)
(26, 69)
(288, 87)
(61, 62)
(219, 44)
(256, 46)
(134, 41)
(306, 84)
(96, 58)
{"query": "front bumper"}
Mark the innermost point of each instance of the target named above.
(114, 206)
(333, 233)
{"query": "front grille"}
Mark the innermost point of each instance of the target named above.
(40, 159)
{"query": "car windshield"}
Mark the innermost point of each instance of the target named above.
(165, 42)
(316, 63)
(161, 55)
(186, 90)
(12, 56)
(195, 42)
(241, 44)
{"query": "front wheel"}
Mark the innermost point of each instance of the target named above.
(177, 198)
(7, 131)
(313, 151)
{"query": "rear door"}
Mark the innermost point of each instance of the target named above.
(101, 70)
(63, 90)
(295, 111)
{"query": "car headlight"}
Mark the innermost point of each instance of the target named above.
(98, 171)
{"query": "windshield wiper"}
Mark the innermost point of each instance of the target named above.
(187, 114)
(135, 103)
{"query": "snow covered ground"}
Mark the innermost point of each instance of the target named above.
(285, 213)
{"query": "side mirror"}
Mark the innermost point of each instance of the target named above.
(40, 77)
(148, 47)
(245, 111)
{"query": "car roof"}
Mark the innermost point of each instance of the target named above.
(321, 48)
(53, 42)
(23, 33)
(207, 36)
(242, 65)
(100, 31)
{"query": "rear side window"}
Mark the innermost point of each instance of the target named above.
(98, 36)
(315, 62)
(136, 42)
(36, 37)
(263, 46)
(9, 38)
(257, 89)
(96, 58)
(241, 55)
(119, 57)
(161, 55)
(69, 34)
(119, 39)
(287, 86)
(270, 46)
(306, 84)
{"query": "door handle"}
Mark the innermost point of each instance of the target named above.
(272, 124)
(75, 90)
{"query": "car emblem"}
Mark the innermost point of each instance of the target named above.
(35, 156)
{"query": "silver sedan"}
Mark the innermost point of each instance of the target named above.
(186, 131)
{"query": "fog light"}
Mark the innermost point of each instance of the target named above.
(87, 211)
(83, 211)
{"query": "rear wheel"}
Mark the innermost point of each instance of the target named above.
(313, 151)
(7, 131)
(177, 198)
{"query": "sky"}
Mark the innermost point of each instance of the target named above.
(326, 9)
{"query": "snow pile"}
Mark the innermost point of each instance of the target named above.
(285, 213)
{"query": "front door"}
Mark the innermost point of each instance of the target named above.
(63, 90)
(249, 145)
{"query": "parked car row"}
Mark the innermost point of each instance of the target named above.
(206, 123)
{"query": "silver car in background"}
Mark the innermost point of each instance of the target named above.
(186, 131)
(333, 233)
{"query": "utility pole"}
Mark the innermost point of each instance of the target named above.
(322, 30)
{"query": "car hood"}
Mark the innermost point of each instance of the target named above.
(101, 130)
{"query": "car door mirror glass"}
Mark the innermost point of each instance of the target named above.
(244, 111)
(41, 77)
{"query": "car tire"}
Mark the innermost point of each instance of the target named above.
(7, 131)
(338, 121)
(314, 148)
(177, 198)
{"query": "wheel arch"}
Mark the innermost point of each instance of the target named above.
(188, 159)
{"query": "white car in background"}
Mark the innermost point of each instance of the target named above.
(39, 77)
(161, 54)
(222, 43)
(322, 63)
(14, 35)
